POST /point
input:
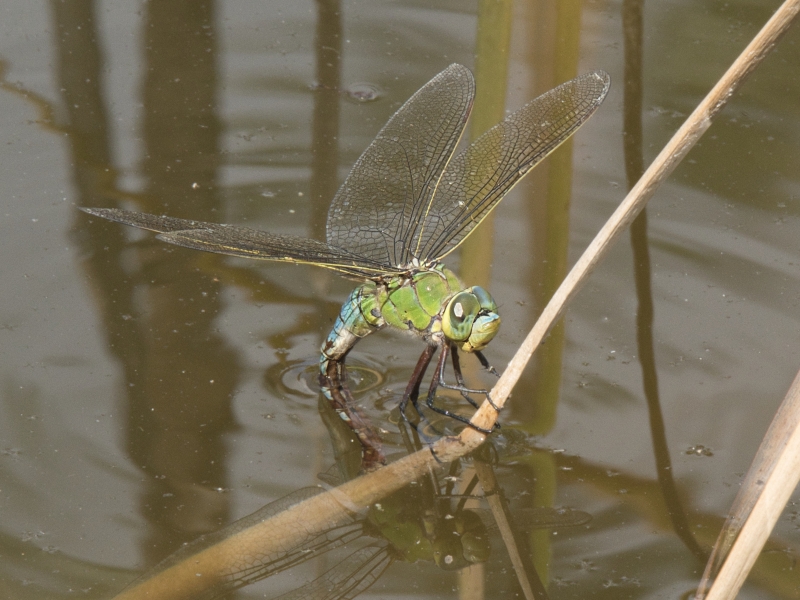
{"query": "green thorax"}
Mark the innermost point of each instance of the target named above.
(414, 302)
(422, 528)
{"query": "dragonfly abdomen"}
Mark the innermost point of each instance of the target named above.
(360, 316)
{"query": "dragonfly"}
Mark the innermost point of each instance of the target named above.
(407, 203)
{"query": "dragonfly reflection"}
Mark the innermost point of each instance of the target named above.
(415, 524)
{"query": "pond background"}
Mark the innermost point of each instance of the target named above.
(151, 394)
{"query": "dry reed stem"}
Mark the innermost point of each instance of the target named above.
(779, 456)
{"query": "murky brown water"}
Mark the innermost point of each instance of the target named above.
(151, 394)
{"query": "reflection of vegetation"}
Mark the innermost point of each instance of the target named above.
(43, 107)
(554, 54)
(491, 74)
(634, 167)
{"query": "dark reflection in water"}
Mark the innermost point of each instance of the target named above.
(177, 423)
(632, 22)
(80, 76)
(178, 397)
(325, 119)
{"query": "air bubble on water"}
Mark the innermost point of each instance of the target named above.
(363, 92)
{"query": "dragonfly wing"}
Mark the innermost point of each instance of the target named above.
(477, 179)
(257, 567)
(548, 517)
(380, 205)
(247, 243)
(254, 564)
(347, 579)
(159, 224)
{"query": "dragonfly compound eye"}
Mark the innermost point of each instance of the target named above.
(473, 330)
(485, 299)
(459, 316)
(483, 331)
(475, 545)
(447, 552)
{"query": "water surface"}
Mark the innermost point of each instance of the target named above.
(151, 394)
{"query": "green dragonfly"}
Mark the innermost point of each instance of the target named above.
(406, 204)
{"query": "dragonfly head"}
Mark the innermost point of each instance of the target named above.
(461, 541)
(470, 319)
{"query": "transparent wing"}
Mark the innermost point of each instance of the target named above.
(347, 579)
(247, 243)
(255, 565)
(477, 179)
(545, 517)
(378, 210)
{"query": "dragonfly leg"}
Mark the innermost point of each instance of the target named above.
(333, 386)
(460, 383)
(485, 363)
(436, 458)
(412, 389)
(461, 386)
(438, 380)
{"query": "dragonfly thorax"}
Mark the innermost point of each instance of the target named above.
(433, 304)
